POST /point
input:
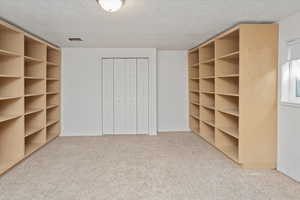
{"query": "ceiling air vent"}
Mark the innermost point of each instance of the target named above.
(75, 39)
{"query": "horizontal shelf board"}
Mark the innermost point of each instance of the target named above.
(197, 78)
(32, 147)
(208, 61)
(212, 107)
(195, 91)
(207, 77)
(231, 152)
(9, 76)
(228, 76)
(228, 94)
(29, 111)
(52, 106)
(9, 98)
(232, 131)
(8, 53)
(32, 95)
(195, 103)
(52, 64)
(49, 93)
(51, 122)
(31, 59)
(207, 92)
(32, 130)
(230, 111)
(52, 79)
(195, 116)
(194, 50)
(211, 122)
(194, 65)
(33, 78)
(4, 118)
(232, 55)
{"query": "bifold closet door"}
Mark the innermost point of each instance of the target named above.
(125, 96)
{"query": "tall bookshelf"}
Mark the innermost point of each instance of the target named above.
(25, 63)
(237, 101)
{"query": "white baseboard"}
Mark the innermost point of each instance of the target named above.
(79, 134)
(174, 130)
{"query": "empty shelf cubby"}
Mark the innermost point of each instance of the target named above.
(11, 109)
(11, 67)
(227, 44)
(53, 100)
(194, 98)
(10, 88)
(207, 85)
(227, 144)
(207, 115)
(227, 123)
(52, 86)
(11, 41)
(194, 85)
(207, 52)
(53, 73)
(208, 100)
(194, 124)
(53, 116)
(227, 68)
(11, 143)
(34, 122)
(207, 70)
(33, 86)
(194, 110)
(35, 141)
(207, 132)
(34, 69)
(227, 104)
(34, 104)
(53, 56)
(193, 72)
(34, 49)
(53, 131)
(227, 86)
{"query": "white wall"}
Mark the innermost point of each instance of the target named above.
(81, 88)
(289, 115)
(172, 91)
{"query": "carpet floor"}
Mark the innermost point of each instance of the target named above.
(163, 167)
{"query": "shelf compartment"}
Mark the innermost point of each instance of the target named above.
(227, 144)
(230, 56)
(34, 69)
(11, 66)
(34, 86)
(53, 131)
(228, 123)
(34, 49)
(11, 143)
(32, 130)
(193, 72)
(53, 72)
(207, 52)
(34, 142)
(11, 87)
(53, 56)
(207, 132)
(207, 85)
(34, 121)
(194, 124)
(208, 99)
(52, 115)
(194, 110)
(227, 68)
(52, 100)
(207, 70)
(227, 85)
(227, 104)
(53, 86)
(11, 41)
(28, 59)
(194, 85)
(11, 109)
(227, 44)
(207, 114)
(194, 58)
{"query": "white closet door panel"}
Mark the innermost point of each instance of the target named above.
(142, 96)
(125, 96)
(108, 96)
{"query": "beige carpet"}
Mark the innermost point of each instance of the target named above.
(166, 167)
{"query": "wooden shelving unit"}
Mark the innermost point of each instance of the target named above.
(236, 103)
(24, 105)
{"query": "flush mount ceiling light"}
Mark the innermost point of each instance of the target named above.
(111, 5)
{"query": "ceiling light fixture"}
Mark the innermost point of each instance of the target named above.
(111, 5)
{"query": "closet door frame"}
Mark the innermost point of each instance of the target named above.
(149, 96)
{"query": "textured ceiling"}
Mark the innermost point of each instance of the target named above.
(163, 24)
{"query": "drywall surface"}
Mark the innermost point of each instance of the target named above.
(172, 91)
(81, 88)
(288, 115)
